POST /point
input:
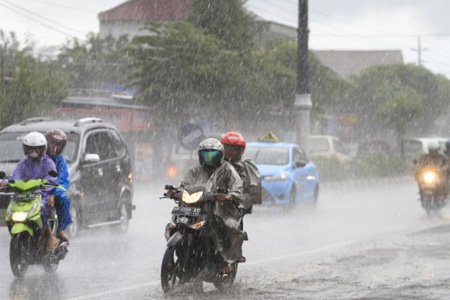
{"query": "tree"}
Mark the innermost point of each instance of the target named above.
(30, 86)
(400, 112)
(379, 85)
(227, 20)
(328, 90)
(96, 63)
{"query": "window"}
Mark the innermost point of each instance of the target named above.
(100, 143)
(119, 145)
(339, 147)
(11, 146)
(318, 144)
(299, 155)
(268, 155)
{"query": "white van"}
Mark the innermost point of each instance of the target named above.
(327, 146)
(414, 147)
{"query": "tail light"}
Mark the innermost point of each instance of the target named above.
(172, 171)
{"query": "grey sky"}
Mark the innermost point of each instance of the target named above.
(343, 24)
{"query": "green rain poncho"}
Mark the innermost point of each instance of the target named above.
(225, 224)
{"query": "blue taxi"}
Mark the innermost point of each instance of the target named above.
(288, 176)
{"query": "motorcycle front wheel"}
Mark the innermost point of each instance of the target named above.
(18, 254)
(50, 264)
(428, 204)
(225, 281)
(170, 270)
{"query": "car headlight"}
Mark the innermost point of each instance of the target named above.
(191, 198)
(429, 176)
(280, 177)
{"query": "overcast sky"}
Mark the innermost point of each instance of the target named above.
(334, 24)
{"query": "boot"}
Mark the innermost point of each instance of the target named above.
(62, 236)
(227, 268)
(52, 241)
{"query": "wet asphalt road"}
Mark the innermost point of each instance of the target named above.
(358, 243)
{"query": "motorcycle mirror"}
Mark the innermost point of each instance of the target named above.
(2, 174)
(53, 173)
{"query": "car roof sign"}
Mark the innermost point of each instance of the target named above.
(268, 137)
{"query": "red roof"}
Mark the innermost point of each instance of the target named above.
(147, 10)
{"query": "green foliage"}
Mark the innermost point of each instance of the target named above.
(178, 62)
(401, 111)
(30, 87)
(226, 19)
(327, 89)
(370, 166)
(380, 94)
(96, 62)
(180, 68)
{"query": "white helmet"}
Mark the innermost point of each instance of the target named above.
(34, 141)
(433, 145)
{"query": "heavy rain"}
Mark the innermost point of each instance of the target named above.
(236, 149)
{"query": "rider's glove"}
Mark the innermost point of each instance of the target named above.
(208, 197)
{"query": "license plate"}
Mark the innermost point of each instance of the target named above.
(23, 198)
(186, 211)
(182, 220)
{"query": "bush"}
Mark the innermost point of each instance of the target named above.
(371, 166)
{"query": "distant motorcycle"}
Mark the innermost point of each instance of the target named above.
(23, 218)
(433, 189)
(191, 254)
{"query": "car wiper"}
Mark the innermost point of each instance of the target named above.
(10, 161)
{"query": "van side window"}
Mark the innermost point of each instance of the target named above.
(100, 143)
(119, 145)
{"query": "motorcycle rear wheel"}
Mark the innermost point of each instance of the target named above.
(18, 254)
(225, 282)
(170, 270)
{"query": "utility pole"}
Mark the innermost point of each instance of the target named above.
(302, 101)
(302, 44)
(419, 51)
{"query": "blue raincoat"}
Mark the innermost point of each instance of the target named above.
(62, 202)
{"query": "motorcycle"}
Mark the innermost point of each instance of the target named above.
(26, 227)
(432, 186)
(191, 254)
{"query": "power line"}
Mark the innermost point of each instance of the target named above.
(384, 33)
(37, 21)
(64, 6)
(39, 16)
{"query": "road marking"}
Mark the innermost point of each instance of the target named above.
(116, 291)
(263, 261)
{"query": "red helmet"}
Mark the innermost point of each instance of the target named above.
(233, 138)
(57, 140)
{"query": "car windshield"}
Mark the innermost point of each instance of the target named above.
(11, 147)
(268, 155)
(318, 145)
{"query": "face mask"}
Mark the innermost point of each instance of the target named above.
(33, 155)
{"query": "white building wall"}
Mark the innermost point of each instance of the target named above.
(117, 29)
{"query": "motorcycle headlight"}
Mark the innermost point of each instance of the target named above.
(19, 216)
(280, 177)
(429, 177)
(191, 198)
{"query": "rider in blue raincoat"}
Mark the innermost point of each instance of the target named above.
(57, 140)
